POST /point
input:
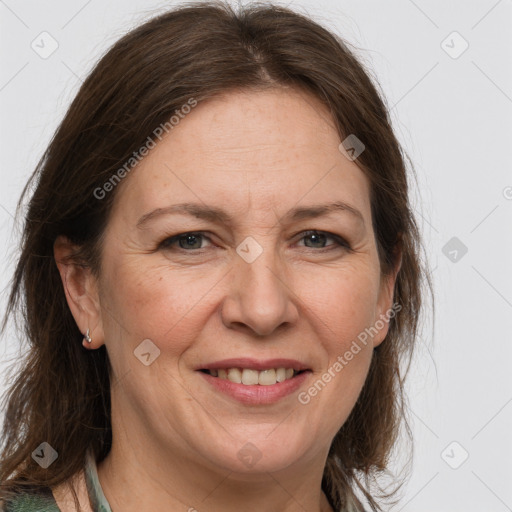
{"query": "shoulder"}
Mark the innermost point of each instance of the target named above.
(31, 501)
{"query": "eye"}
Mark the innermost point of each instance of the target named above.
(186, 241)
(319, 237)
(191, 241)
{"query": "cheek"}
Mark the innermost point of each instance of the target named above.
(344, 316)
(345, 300)
(156, 302)
(345, 308)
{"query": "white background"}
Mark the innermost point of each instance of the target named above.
(454, 118)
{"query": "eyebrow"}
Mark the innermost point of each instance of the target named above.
(220, 216)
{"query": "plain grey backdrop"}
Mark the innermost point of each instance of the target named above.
(445, 70)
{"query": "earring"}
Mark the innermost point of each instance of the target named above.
(87, 337)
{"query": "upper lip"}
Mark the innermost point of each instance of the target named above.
(254, 364)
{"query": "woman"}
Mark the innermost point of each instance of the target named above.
(219, 277)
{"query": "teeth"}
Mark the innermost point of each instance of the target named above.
(267, 377)
(281, 374)
(249, 377)
(252, 377)
(235, 375)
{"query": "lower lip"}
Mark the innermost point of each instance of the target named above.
(257, 394)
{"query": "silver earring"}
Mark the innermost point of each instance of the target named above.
(87, 337)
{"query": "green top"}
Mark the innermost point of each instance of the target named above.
(43, 500)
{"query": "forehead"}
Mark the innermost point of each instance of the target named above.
(248, 150)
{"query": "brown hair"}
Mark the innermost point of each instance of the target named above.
(62, 392)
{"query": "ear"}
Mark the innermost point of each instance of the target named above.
(385, 308)
(81, 290)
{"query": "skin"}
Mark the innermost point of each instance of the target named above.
(176, 439)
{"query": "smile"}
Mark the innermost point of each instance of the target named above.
(251, 377)
(248, 389)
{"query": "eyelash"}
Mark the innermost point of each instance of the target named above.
(339, 241)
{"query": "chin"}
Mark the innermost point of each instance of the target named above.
(261, 454)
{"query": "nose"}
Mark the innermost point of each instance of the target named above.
(260, 298)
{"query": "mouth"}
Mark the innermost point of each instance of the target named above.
(255, 381)
(253, 377)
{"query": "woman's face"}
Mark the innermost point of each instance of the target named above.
(257, 171)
